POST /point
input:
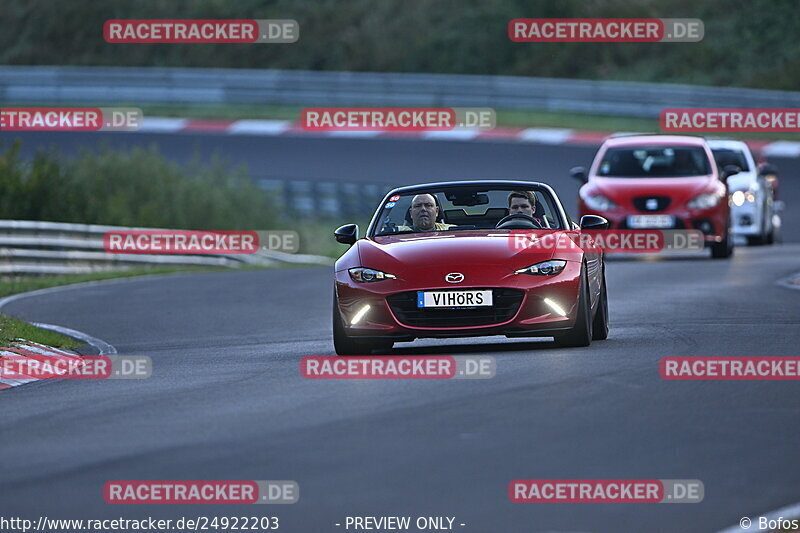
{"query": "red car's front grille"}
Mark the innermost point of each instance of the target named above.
(506, 303)
(651, 204)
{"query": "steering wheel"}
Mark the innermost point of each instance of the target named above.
(518, 221)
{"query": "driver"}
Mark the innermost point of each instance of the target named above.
(424, 212)
(522, 202)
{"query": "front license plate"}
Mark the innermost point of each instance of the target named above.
(651, 221)
(454, 298)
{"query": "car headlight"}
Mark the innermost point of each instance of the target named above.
(703, 201)
(599, 202)
(545, 268)
(740, 197)
(365, 275)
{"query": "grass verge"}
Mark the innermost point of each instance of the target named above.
(316, 237)
(13, 328)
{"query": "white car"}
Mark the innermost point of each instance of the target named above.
(750, 194)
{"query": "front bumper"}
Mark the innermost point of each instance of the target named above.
(712, 222)
(746, 219)
(527, 315)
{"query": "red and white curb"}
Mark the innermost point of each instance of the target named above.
(46, 355)
(548, 136)
(25, 348)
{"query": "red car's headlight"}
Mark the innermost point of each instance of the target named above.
(366, 275)
(545, 268)
(599, 202)
(703, 201)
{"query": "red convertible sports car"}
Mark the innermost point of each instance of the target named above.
(446, 260)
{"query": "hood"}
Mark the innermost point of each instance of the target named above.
(742, 181)
(681, 190)
(452, 251)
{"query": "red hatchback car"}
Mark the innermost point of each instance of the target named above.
(658, 182)
(445, 260)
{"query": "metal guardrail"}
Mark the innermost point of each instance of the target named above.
(139, 86)
(33, 247)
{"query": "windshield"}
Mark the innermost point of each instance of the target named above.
(458, 209)
(654, 162)
(727, 156)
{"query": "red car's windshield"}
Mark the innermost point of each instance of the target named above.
(654, 162)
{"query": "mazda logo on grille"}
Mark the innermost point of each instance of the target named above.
(454, 277)
(651, 204)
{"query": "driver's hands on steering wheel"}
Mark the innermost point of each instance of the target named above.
(521, 218)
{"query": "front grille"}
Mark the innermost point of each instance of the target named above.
(506, 302)
(656, 203)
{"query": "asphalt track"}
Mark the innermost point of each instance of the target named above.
(226, 400)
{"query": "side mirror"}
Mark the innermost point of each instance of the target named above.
(347, 234)
(593, 222)
(578, 173)
(730, 170)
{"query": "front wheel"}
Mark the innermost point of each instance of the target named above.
(600, 324)
(345, 345)
(724, 249)
(581, 333)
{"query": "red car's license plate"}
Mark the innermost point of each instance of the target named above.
(474, 298)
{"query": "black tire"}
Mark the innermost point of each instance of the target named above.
(600, 323)
(770, 239)
(724, 249)
(761, 238)
(581, 333)
(345, 345)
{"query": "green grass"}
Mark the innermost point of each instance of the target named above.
(222, 112)
(317, 237)
(13, 328)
